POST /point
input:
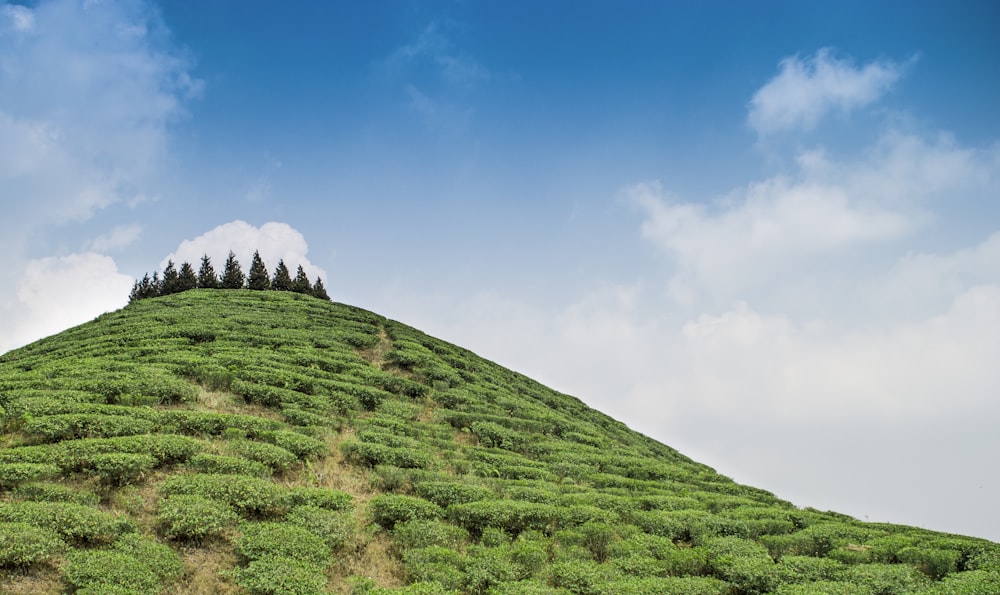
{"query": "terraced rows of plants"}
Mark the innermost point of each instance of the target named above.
(270, 442)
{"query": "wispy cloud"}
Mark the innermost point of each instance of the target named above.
(116, 239)
(434, 48)
(438, 78)
(806, 90)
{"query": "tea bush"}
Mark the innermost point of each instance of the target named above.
(22, 544)
(743, 563)
(75, 523)
(54, 492)
(103, 571)
(12, 474)
(436, 564)
(298, 444)
(161, 559)
(185, 516)
(275, 457)
(117, 469)
(208, 463)
(512, 516)
(446, 493)
(281, 576)
(248, 496)
(271, 539)
(388, 509)
(53, 428)
(426, 533)
(335, 528)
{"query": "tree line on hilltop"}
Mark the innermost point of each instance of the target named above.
(176, 280)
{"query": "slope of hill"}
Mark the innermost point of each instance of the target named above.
(269, 442)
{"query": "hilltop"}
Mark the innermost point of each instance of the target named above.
(233, 441)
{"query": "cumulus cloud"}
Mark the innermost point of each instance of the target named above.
(805, 90)
(273, 240)
(56, 293)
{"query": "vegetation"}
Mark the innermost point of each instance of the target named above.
(176, 281)
(240, 441)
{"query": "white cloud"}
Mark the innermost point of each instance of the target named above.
(805, 90)
(88, 92)
(86, 96)
(116, 239)
(273, 240)
(56, 293)
(788, 234)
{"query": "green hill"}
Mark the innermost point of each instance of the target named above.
(269, 442)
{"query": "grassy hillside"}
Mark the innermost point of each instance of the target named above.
(267, 442)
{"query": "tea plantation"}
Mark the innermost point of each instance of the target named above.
(258, 442)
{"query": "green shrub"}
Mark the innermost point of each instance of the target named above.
(100, 571)
(281, 576)
(184, 516)
(487, 567)
(933, 562)
(580, 577)
(327, 498)
(208, 463)
(296, 443)
(52, 428)
(12, 474)
(161, 559)
(248, 496)
(275, 457)
(388, 509)
(367, 454)
(688, 585)
(425, 533)
(120, 468)
(75, 523)
(446, 493)
(808, 568)
(435, 564)
(334, 527)
(494, 435)
(887, 579)
(512, 516)
(54, 492)
(22, 545)
(973, 581)
(743, 563)
(269, 540)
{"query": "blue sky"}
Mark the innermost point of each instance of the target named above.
(767, 234)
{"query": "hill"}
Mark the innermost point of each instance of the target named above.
(270, 442)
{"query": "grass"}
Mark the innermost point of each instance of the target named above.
(552, 494)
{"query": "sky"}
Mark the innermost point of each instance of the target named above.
(766, 234)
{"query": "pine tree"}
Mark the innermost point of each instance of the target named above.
(232, 274)
(155, 285)
(207, 279)
(138, 289)
(318, 290)
(187, 279)
(171, 280)
(258, 278)
(301, 283)
(282, 280)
